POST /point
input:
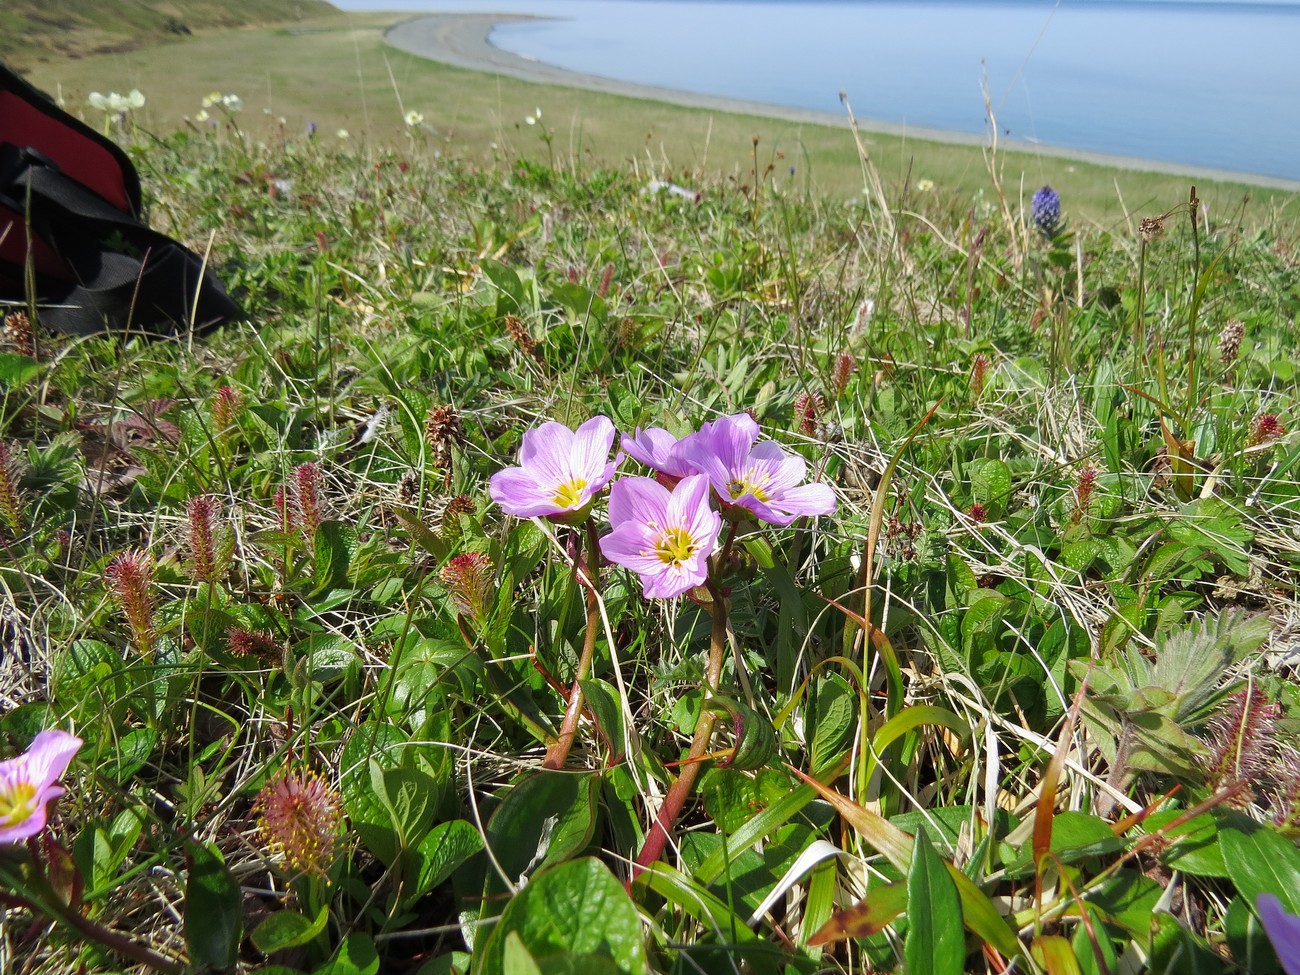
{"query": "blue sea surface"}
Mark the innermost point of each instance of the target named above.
(1207, 84)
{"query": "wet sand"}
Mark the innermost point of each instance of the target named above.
(461, 40)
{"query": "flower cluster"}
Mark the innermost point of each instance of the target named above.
(116, 104)
(664, 528)
(1045, 211)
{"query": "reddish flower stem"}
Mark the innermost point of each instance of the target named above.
(657, 839)
(558, 752)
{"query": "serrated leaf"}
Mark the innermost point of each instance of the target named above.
(935, 942)
(213, 922)
(18, 370)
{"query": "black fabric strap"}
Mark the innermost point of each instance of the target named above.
(125, 275)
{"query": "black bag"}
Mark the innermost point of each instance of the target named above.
(70, 216)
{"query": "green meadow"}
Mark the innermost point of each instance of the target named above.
(965, 639)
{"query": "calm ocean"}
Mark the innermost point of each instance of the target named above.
(1213, 84)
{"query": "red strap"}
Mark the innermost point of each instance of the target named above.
(80, 158)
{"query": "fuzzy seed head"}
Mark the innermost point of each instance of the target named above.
(19, 335)
(807, 406)
(1230, 340)
(980, 365)
(299, 816)
(11, 497)
(307, 498)
(130, 580)
(518, 333)
(449, 525)
(444, 430)
(244, 642)
(207, 551)
(227, 406)
(1266, 428)
(845, 367)
(469, 579)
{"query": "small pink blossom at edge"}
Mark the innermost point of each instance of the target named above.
(29, 783)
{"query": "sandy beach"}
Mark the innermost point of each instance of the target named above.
(462, 40)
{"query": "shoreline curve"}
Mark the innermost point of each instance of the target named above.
(463, 40)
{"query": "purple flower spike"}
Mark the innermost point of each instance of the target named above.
(29, 783)
(665, 537)
(761, 478)
(560, 471)
(1045, 211)
(659, 450)
(1283, 929)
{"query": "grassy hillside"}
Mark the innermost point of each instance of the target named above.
(33, 32)
(338, 72)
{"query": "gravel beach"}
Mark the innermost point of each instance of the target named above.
(461, 40)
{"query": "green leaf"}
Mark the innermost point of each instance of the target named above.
(18, 370)
(442, 850)
(379, 742)
(327, 656)
(754, 736)
(509, 289)
(213, 921)
(990, 482)
(935, 943)
(832, 711)
(978, 912)
(1263, 862)
(334, 545)
(288, 929)
(516, 959)
(408, 795)
(547, 817)
(1195, 850)
(568, 917)
(356, 956)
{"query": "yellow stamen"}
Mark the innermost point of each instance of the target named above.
(675, 546)
(569, 495)
(17, 803)
(751, 482)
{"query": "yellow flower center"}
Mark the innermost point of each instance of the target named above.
(751, 482)
(569, 495)
(17, 802)
(675, 546)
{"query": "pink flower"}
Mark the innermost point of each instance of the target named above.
(560, 471)
(761, 478)
(29, 783)
(659, 450)
(1283, 929)
(665, 537)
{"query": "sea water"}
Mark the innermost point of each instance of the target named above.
(1206, 84)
